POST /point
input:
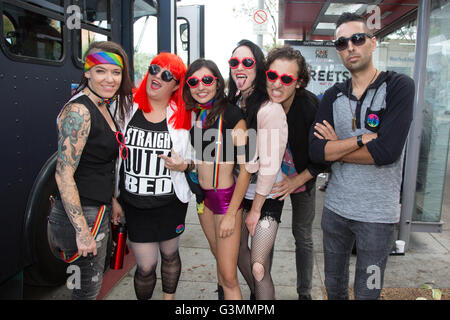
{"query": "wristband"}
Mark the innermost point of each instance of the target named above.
(189, 168)
(359, 141)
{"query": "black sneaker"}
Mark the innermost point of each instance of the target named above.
(304, 297)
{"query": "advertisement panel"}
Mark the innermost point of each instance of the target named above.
(326, 66)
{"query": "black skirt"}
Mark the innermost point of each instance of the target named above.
(157, 224)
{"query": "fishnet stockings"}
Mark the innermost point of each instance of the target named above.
(254, 263)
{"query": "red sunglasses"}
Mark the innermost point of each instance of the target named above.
(285, 78)
(123, 148)
(247, 62)
(207, 79)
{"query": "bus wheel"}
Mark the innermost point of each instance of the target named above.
(47, 269)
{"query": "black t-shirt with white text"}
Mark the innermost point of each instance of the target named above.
(145, 182)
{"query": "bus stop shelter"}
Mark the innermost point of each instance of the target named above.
(413, 38)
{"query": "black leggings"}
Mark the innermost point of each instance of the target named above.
(147, 259)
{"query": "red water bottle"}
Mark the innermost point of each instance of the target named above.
(119, 237)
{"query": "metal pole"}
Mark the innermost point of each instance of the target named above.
(167, 26)
(259, 37)
(413, 145)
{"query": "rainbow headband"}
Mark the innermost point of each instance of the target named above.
(102, 58)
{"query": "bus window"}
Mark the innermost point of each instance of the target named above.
(95, 26)
(145, 32)
(183, 40)
(87, 37)
(54, 5)
(31, 34)
(9, 31)
(96, 12)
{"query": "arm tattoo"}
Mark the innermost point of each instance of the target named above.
(73, 130)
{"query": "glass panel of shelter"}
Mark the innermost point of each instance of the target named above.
(434, 146)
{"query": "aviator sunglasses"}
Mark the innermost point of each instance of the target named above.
(358, 39)
(285, 78)
(166, 75)
(247, 62)
(207, 79)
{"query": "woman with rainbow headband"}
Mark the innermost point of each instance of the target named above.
(87, 152)
(152, 191)
(218, 124)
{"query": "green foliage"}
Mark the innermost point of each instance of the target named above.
(435, 293)
(141, 63)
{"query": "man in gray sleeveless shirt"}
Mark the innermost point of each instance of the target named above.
(361, 128)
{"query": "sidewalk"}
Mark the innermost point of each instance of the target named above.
(427, 261)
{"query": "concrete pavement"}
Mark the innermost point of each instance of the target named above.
(427, 260)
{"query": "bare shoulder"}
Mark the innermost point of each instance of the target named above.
(74, 116)
(70, 109)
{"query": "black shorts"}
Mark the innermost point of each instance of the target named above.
(155, 225)
(271, 208)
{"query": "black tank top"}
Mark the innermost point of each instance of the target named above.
(95, 173)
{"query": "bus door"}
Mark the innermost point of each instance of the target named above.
(154, 20)
(190, 32)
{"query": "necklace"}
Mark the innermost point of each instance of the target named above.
(350, 104)
(107, 101)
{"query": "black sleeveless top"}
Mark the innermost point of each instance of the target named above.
(204, 140)
(95, 173)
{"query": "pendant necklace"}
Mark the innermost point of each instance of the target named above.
(349, 101)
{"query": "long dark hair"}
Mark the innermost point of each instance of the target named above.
(220, 98)
(259, 94)
(125, 94)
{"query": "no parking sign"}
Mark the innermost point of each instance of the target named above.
(260, 19)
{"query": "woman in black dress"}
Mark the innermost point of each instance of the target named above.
(154, 193)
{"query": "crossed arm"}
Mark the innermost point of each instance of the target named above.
(74, 125)
(346, 150)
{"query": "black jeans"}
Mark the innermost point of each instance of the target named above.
(303, 212)
(89, 270)
(373, 245)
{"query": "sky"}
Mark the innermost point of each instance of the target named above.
(224, 29)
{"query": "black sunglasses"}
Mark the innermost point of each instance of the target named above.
(358, 39)
(166, 75)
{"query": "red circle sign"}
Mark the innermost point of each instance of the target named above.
(260, 16)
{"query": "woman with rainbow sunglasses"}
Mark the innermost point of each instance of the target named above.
(219, 140)
(152, 190)
(87, 152)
